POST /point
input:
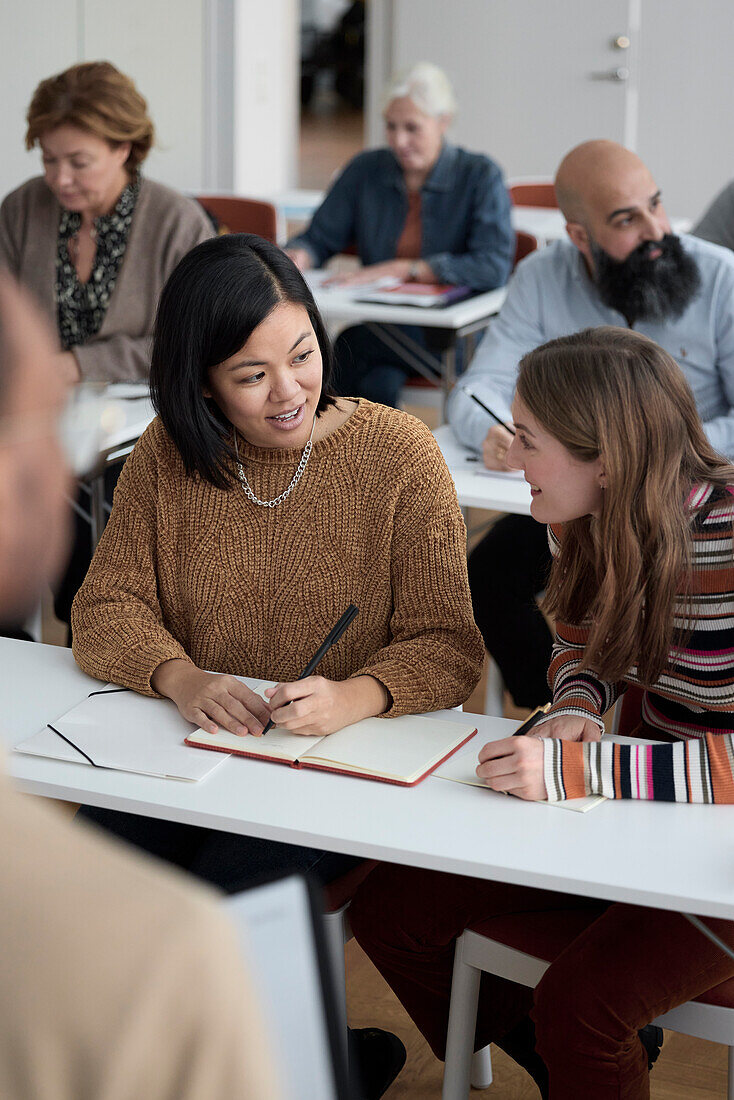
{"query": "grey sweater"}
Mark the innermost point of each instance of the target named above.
(165, 226)
(717, 224)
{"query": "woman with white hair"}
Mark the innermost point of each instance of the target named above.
(421, 210)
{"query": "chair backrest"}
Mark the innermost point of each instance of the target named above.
(525, 243)
(236, 215)
(630, 711)
(533, 194)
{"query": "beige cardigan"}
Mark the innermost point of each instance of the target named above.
(165, 226)
(121, 978)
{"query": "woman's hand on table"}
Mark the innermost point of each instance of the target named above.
(210, 700)
(514, 765)
(568, 727)
(317, 706)
(393, 269)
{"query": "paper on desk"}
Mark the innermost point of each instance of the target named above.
(513, 475)
(128, 391)
(127, 732)
(460, 768)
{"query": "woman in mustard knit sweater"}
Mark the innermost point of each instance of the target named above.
(252, 511)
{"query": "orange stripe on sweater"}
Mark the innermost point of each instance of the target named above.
(722, 780)
(572, 764)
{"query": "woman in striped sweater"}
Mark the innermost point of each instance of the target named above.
(640, 511)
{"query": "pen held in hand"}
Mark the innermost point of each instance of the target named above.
(532, 720)
(488, 411)
(331, 638)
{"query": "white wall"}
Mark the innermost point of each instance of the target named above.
(266, 84)
(25, 58)
(220, 78)
(158, 44)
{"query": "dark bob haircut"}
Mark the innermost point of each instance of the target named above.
(213, 300)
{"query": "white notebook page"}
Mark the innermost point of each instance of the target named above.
(404, 747)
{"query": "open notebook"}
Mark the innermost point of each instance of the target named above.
(395, 750)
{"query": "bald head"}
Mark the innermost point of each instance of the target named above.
(593, 172)
(610, 201)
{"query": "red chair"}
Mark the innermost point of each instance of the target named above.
(520, 948)
(525, 243)
(236, 215)
(533, 194)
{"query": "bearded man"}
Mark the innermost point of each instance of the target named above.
(621, 265)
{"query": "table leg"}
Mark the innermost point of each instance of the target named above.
(98, 518)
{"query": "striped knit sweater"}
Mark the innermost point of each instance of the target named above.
(692, 702)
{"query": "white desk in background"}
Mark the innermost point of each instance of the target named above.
(131, 412)
(341, 307)
(547, 224)
(656, 854)
(477, 487)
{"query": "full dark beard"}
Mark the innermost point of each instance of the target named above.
(643, 289)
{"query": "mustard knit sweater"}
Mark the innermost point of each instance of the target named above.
(185, 570)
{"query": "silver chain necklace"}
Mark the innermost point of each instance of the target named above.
(296, 477)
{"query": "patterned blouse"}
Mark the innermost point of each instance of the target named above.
(82, 306)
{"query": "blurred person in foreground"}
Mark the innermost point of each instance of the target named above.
(119, 979)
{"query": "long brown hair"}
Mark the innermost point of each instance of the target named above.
(615, 394)
(97, 97)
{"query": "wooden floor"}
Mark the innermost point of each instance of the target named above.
(688, 1069)
(330, 135)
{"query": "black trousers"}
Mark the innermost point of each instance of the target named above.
(367, 367)
(507, 570)
(226, 860)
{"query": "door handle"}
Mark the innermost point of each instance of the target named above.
(617, 76)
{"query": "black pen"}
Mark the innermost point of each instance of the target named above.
(531, 720)
(331, 638)
(488, 411)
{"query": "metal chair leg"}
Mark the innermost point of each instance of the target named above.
(462, 1024)
(481, 1068)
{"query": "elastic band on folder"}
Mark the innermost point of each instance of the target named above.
(60, 734)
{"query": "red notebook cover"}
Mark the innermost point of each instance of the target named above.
(333, 767)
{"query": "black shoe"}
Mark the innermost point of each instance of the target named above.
(651, 1038)
(376, 1058)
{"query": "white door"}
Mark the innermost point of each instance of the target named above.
(685, 130)
(532, 78)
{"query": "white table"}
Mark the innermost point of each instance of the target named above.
(675, 857)
(342, 307)
(477, 487)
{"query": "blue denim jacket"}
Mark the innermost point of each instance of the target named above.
(465, 216)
